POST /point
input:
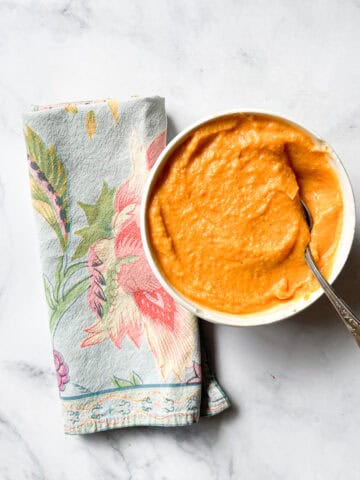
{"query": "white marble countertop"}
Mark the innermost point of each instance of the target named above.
(294, 386)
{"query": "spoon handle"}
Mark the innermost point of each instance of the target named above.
(347, 316)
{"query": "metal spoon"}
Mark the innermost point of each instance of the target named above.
(347, 316)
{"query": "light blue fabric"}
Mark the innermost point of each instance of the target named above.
(124, 353)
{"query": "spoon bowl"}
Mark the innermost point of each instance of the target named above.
(308, 216)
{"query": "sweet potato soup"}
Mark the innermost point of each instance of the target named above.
(225, 221)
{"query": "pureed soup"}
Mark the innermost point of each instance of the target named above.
(225, 221)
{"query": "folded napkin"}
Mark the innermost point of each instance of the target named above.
(125, 353)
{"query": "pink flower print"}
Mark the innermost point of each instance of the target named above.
(124, 294)
(61, 371)
(154, 149)
(137, 279)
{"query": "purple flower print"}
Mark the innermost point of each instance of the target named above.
(61, 370)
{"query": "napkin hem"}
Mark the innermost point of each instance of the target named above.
(112, 423)
(215, 399)
(143, 405)
(73, 106)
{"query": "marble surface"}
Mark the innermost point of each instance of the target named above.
(295, 386)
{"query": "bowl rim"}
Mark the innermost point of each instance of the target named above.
(277, 313)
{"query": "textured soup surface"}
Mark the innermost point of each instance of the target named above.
(225, 221)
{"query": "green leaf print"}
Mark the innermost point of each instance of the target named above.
(71, 295)
(48, 182)
(48, 294)
(99, 218)
(134, 380)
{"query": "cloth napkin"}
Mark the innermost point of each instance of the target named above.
(125, 354)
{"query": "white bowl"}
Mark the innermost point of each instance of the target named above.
(282, 311)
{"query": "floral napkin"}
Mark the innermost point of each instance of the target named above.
(125, 353)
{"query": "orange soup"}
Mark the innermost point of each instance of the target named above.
(225, 221)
